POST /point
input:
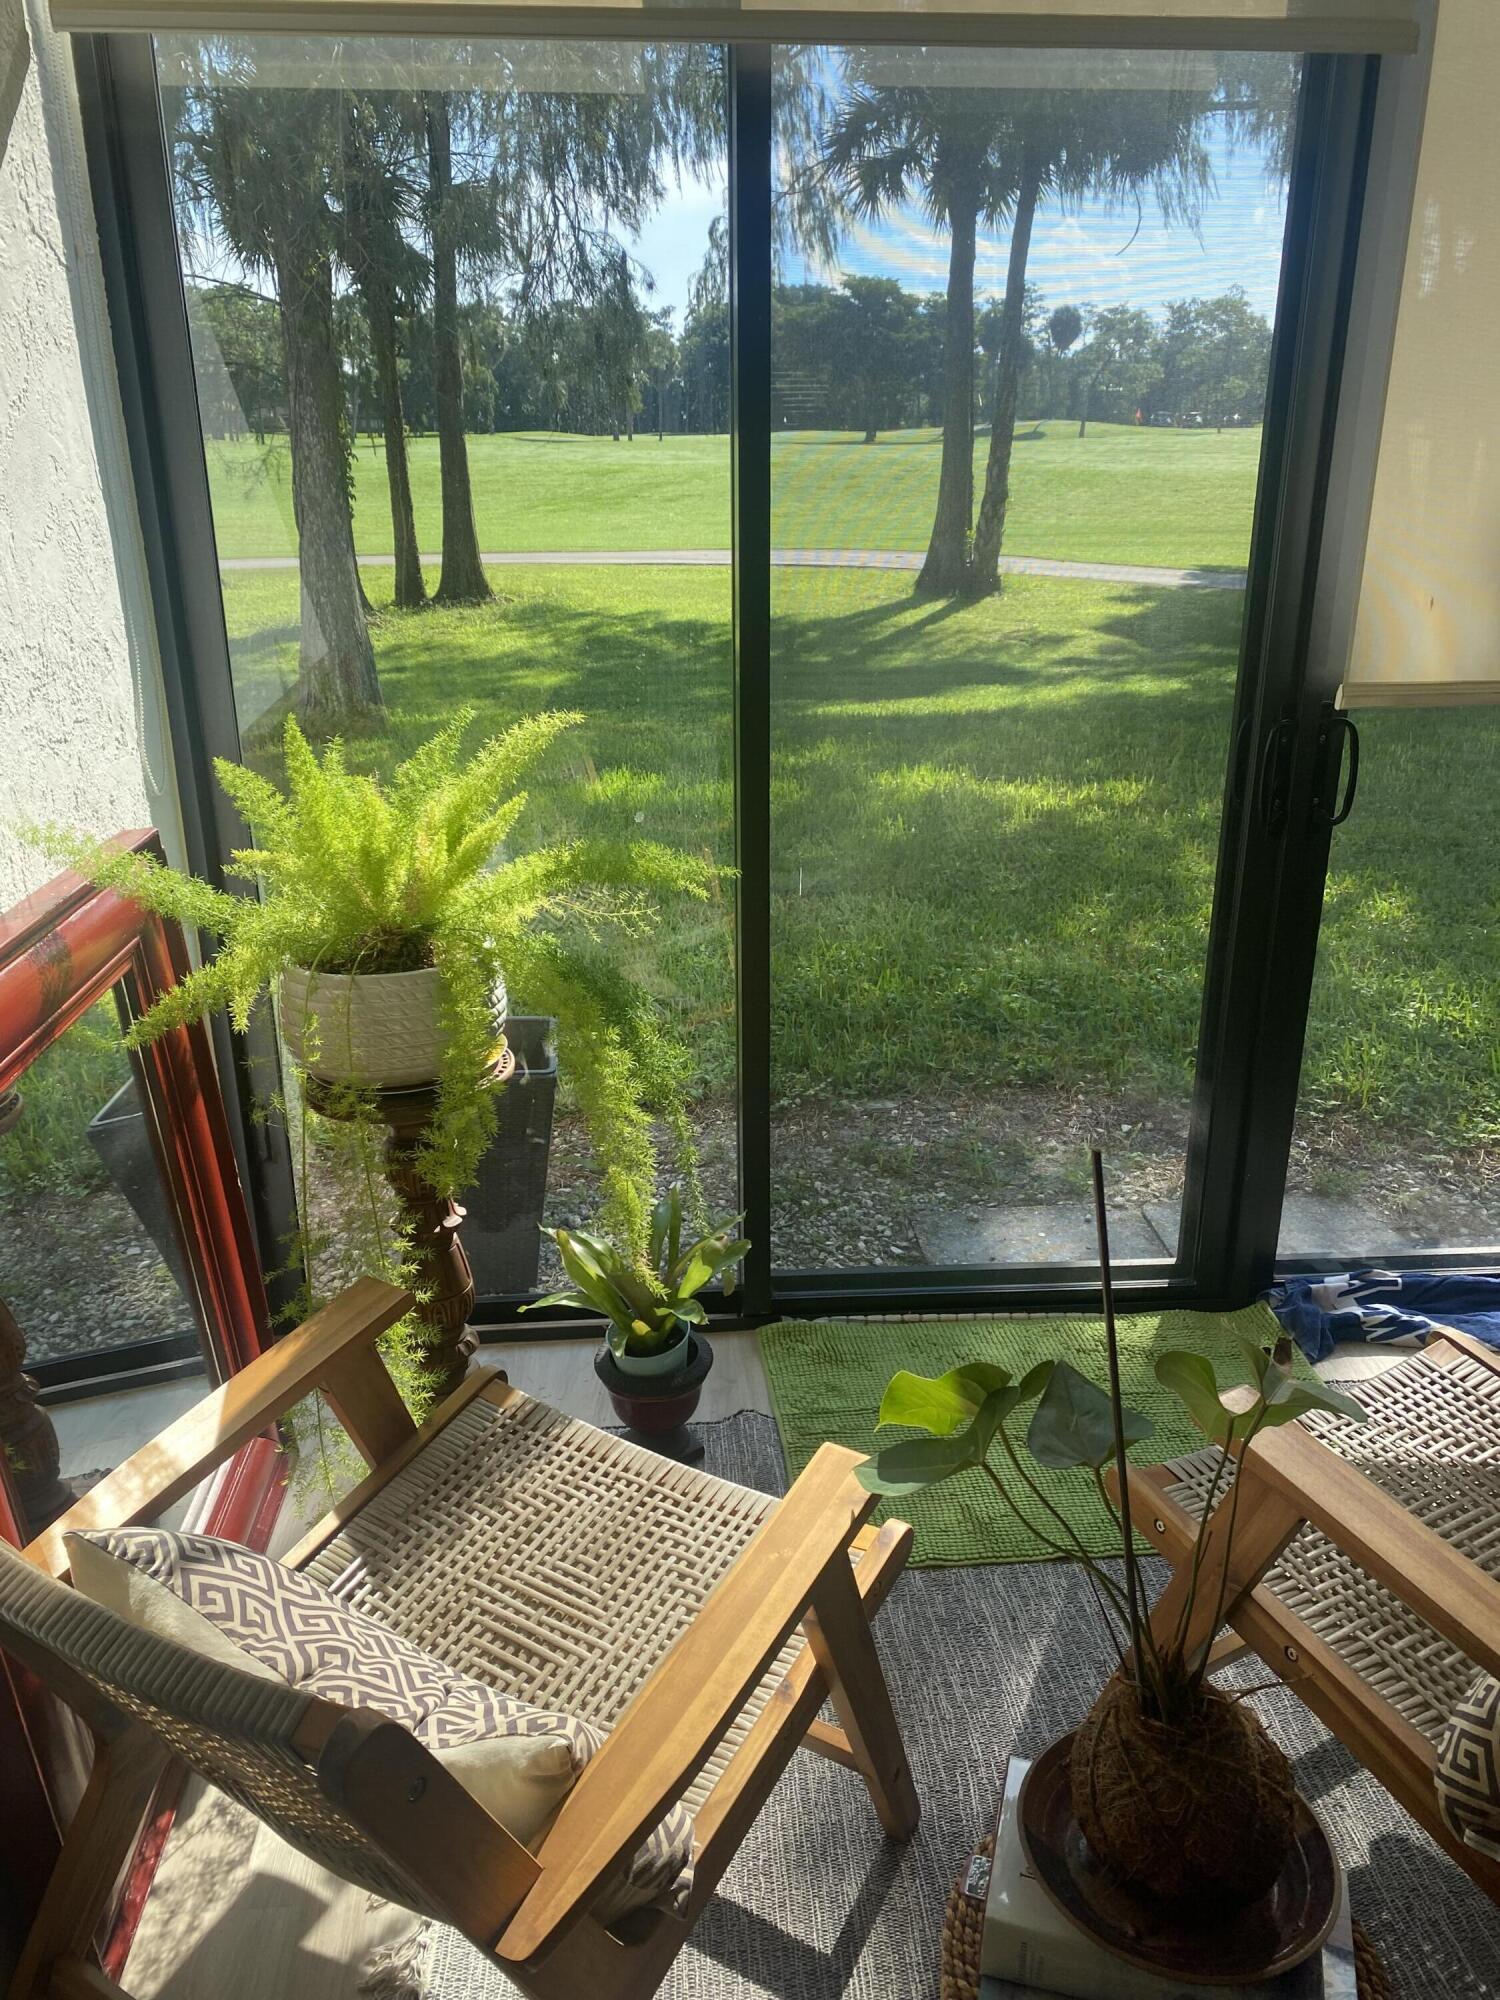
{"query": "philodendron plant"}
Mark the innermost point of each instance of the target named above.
(1174, 1784)
(971, 1418)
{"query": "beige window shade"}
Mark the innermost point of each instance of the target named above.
(1428, 624)
(1339, 26)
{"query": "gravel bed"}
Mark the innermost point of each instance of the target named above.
(81, 1275)
(853, 1183)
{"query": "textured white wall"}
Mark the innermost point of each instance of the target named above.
(79, 677)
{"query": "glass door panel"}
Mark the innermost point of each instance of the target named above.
(1020, 341)
(1397, 1142)
(481, 289)
(91, 1258)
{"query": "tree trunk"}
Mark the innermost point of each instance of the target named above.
(989, 530)
(411, 590)
(337, 683)
(945, 569)
(463, 580)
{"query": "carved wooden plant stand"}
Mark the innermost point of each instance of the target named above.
(441, 1273)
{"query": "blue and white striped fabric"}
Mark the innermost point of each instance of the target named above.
(1385, 1306)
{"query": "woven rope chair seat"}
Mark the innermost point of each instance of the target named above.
(1433, 1443)
(550, 1559)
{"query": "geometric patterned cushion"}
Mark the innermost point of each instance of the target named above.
(1468, 1767)
(291, 1625)
(314, 1641)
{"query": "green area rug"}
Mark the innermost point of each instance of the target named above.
(827, 1378)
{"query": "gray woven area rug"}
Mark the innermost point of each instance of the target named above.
(820, 1906)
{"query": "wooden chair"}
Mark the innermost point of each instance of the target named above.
(1366, 1565)
(702, 1625)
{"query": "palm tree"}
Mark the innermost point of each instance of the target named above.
(381, 199)
(450, 206)
(527, 186)
(1064, 325)
(1116, 144)
(950, 149)
(255, 170)
(994, 156)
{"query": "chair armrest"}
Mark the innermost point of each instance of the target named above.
(1455, 1596)
(694, 1694)
(1462, 1343)
(321, 1350)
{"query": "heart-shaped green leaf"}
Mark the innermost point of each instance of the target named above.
(1191, 1379)
(913, 1464)
(1074, 1423)
(917, 1462)
(940, 1403)
(1294, 1398)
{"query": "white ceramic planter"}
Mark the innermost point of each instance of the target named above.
(666, 1362)
(374, 1030)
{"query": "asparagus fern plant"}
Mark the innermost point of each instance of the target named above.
(360, 875)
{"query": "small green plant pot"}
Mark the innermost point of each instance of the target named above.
(666, 1361)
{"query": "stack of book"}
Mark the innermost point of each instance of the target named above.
(1032, 1950)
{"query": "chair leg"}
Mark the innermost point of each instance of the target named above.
(99, 1842)
(1266, 1522)
(839, 1635)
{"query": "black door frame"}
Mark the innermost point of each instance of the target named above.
(1269, 882)
(127, 166)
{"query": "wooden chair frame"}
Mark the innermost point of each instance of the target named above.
(528, 1910)
(1290, 1478)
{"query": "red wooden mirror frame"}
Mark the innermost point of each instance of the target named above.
(62, 949)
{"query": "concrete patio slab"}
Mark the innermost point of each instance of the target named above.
(1314, 1225)
(1060, 1233)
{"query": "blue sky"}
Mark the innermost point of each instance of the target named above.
(1092, 258)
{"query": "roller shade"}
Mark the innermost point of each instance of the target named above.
(1337, 26)
(1427, 627)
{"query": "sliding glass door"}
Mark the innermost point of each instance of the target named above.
(907, 460)
(473, 296)
(1021, 345)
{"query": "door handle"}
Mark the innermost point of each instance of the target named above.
(1273, 782)
(1334, 730)
(1239, 764)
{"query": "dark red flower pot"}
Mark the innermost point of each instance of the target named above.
(655, 1404)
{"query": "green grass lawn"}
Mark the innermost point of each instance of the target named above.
(994, 826)
(1118, 495)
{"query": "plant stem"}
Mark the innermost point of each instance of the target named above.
(1151, 1653)
(1021, 1473)
(1203, 1520)
(1200, 1673)
(1117, 1410)
(1079, 1555)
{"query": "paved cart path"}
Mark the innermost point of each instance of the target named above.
(895, 559)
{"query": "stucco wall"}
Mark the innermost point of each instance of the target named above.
(79, 677)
